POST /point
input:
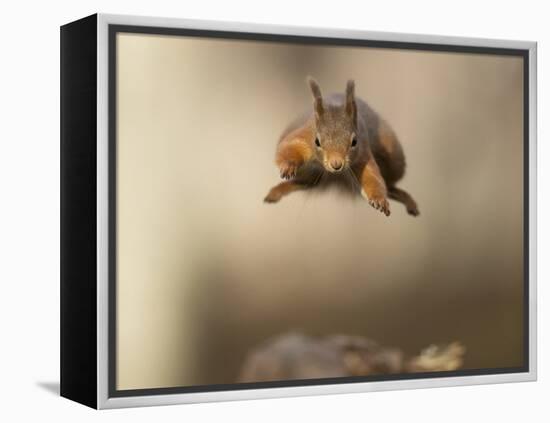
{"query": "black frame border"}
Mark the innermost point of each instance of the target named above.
(114, 29)
(78, 211)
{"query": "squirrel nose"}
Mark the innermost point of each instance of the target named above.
(336, 164)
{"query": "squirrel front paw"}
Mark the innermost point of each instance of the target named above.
(288, 169)
(379, 202)
(382, 205)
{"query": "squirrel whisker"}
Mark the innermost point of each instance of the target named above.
(318, 179)
(354, 179)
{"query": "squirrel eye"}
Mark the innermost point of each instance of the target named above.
(354, 141)
(317, 142)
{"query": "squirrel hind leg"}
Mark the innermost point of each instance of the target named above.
(282, 189)
(404, 197)
(306, 179)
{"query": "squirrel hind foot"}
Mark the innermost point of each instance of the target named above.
(413, 211)
(272, 197)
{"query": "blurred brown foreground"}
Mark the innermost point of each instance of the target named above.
(298, 356)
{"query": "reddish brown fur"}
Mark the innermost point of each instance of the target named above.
(352, 134)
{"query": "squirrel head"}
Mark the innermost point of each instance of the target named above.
(335, 137)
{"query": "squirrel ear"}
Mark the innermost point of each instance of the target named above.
(316, 91)
(350, 99)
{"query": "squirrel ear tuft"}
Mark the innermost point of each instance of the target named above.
(350, 91)
(316, 91)
(350, 98)
(314, 86)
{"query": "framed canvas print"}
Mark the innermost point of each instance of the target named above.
(253, 211)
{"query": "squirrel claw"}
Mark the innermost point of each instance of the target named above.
(380, 204)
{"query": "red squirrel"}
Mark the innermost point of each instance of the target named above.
(342, 138)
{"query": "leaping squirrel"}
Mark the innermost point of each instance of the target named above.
(342, 137)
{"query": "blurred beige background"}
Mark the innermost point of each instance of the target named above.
(206, 270)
